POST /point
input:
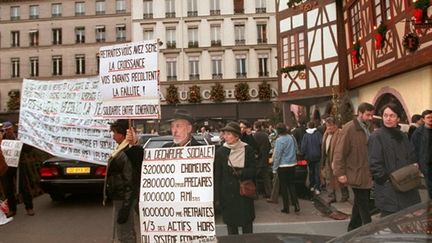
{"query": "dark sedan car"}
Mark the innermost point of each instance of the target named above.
(60, 176)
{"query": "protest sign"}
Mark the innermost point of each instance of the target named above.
(59, 118)
(176, 196)
(129, 80)
(11, 151)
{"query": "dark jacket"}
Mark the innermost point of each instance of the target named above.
(387, 154)
(121, 179)
(193, 142)
(249, 139)
(350, 157)
(422, 141)
(236, 209)
(264, 146)
(311, 145)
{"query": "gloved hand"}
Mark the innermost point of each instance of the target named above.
(123, 215)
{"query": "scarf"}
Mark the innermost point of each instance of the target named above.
(119, 148)
(237, 154)
(395, 133)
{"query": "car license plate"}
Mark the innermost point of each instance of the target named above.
(78, 170)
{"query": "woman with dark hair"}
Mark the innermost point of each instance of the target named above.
(284, 162)
(234, 162)
(389, 150)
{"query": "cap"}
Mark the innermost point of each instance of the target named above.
(233, 127)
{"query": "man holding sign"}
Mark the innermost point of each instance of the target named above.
(121, 182)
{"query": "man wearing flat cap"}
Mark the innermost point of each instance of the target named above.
(181, 130)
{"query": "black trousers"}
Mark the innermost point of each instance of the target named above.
(287, 187)
(360, 211)
(246, 229)
(263, 176)
(8, 180)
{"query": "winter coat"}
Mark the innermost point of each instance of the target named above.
(386, 155)
(284, 153)
(311, 145)
(350, 157)
(422, 141)
(236, 210)
(121, 179)
(327, 157)
(193, 142)
(264, 146)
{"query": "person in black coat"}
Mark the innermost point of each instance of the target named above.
(121, 182)
(237, 211)
(388, 150)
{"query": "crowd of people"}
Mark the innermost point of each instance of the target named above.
(355, 155)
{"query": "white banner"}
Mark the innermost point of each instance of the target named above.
(176, 196)
(11, 150)
(129, 80)
(58, 117)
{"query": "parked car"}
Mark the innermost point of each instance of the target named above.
(61, 176)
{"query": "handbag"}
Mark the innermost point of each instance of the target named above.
(247, 187)
(406, 178)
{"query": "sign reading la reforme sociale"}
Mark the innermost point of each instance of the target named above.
(11, 151)
(129, 80)
(176, 195)
(59, 117)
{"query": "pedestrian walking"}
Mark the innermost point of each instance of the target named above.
(263, 168)
(390, 150)
(284, 162)
(311, 150)
(234, 162)
(350, 163)
(422, 141)
(330, 139)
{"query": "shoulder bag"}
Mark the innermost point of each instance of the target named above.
(406, 178)
(247, 187)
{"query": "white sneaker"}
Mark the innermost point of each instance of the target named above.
(5, 220)
(317, 192)
(312, 189)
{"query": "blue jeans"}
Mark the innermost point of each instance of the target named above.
(314, 174)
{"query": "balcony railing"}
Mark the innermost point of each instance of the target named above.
(192, 13)
(15, 18)
(121, 39)
(241, 75)
(215, 12)
(194, 77)
(171, 78)
(262, 40)
(240, 42)
(238, 10)
(260, 10)
(170, 15)
(217, 76)
(34, 16)
(148, 16)
(193, 44)
(79, 13)
(100, 12)
(100, 39)
(216, 43)
(263, 74)
(171, 44)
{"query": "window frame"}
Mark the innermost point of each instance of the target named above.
(15, 13)
(261, 32)
(100, 7)
(79, 35)
(15, 38)
(79, 8)
(217, 67)
(15, 67)
(241, 65)
(121, 33)
(101, 34)
(120, 6)
(57, 65)
(171, 64)
(56, 10)
(34, 38)
(80, 64)
(34, 66)
(147, 9)
(56, 36)
(34, 11)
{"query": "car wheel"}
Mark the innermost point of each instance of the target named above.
(57, 196)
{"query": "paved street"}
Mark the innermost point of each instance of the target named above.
(84, 219)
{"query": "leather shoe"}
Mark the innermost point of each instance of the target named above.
(30, 212)
(284, 210)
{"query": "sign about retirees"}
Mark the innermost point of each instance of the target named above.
(59, 117)
(176, 196)
(11, 150)
(129, 80)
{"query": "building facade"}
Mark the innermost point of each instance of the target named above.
(383, 53)
(56, 39)
(209, 43)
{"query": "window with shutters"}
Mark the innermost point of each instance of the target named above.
(171, 69)
(216, 67)
(57, 66)
(15, 67)
(15, 38)
(194, 68)
(34, 11)
(56, 36)
(80, 34)
(80, 64)
(100, 7)
(79, 8)
(56, 9)
(238, 6)
(15, 13)
(34, 37)
(34, 66)
(241, 66)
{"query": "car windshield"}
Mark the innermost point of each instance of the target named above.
(409, 225)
